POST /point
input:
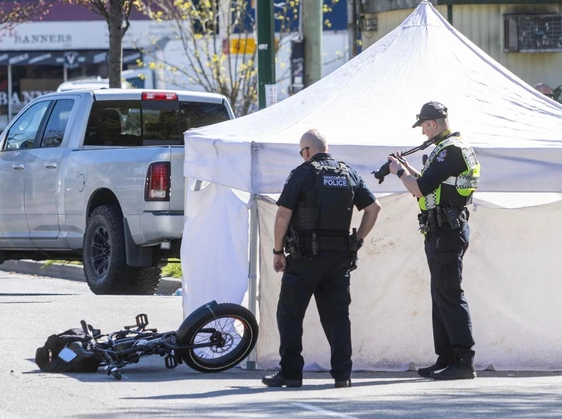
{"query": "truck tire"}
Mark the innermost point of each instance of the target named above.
(105, 264)
(145, 284)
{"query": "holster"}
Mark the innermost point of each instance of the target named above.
(292, 244)
(423, 220)
(353, 249)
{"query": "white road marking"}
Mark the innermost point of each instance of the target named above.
(324, 411)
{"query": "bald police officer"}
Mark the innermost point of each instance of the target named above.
(312, 223)
(444, 188)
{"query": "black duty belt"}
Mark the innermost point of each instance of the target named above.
(338, 243)
(436, 217)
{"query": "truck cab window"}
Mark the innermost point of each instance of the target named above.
(129, 123)
(114, 123)
(161, 125)
(56, 126)
(24, 131)
(199, 114)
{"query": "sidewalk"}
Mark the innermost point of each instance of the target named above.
(167, 285)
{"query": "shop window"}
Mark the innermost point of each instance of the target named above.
(56, 126)
(24, 131)
(533, 32)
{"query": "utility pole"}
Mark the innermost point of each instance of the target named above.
(352, 27)
(312, 15)
(267, 89)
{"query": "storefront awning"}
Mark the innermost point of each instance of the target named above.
(68, 59)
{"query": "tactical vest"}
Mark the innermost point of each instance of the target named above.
(329, 206)
(463, 185)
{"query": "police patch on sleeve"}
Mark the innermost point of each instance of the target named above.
(441, 156)
(289, 177)
(334, 181)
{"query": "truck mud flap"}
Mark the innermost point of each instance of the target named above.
(137, 256)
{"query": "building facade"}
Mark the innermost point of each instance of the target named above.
(72, 42)
(524, 36)
(69, 42)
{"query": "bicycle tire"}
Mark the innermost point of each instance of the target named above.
(238, 329)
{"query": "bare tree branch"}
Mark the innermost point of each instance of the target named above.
(116, 14)
(14, 12)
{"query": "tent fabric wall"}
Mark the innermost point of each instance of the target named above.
(214, 252)
(513, 290)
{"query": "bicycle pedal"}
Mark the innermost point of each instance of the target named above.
(142, 321)
(170, 361)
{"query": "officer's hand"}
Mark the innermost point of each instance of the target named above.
(395, 165)
(400, 157)
(405, 163)
(279, 263)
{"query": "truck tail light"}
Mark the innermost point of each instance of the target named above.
(159, 96)
(157, 186)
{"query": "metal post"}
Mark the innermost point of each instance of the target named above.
(10, 111)
(266, 51)
(253, 271)
(450, 13)
(312, 16)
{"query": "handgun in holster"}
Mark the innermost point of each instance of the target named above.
(292, 244)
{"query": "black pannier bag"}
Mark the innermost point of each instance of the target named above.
(48, 360)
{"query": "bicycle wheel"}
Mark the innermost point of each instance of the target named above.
(226, 336)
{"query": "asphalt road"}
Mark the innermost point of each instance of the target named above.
(32, 308)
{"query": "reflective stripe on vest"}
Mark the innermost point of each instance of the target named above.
(465, 183)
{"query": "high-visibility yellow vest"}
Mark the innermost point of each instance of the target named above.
(465, 183)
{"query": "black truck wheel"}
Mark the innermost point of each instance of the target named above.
(105, 265)
(145, 283)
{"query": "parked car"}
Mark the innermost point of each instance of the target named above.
(97, 176)
(141, 78)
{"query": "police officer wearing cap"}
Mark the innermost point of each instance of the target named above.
(444, 187)
(312, 225)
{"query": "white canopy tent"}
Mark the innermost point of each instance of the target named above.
(366, 108)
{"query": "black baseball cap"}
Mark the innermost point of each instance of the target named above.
(431, 111)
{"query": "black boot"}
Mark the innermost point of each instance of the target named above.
(459, 370)
(441, 363)
(277, 380)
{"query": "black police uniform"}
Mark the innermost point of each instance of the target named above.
(445, 246)
(323, 269)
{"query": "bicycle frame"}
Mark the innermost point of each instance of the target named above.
(229, 331)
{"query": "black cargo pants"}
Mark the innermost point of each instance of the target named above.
(326, 276)
(452, 325)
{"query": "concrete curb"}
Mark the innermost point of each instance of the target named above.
(73, 272)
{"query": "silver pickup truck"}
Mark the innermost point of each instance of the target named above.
(97, 176)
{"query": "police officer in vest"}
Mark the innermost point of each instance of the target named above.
(312, 225)
(444, 188)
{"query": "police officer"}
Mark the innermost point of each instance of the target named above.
(444, 188)
(312, 223)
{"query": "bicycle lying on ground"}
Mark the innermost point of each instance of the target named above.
(213, 338)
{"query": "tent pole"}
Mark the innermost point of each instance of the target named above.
(253, 271)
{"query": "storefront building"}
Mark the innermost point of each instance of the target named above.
(69, 42)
